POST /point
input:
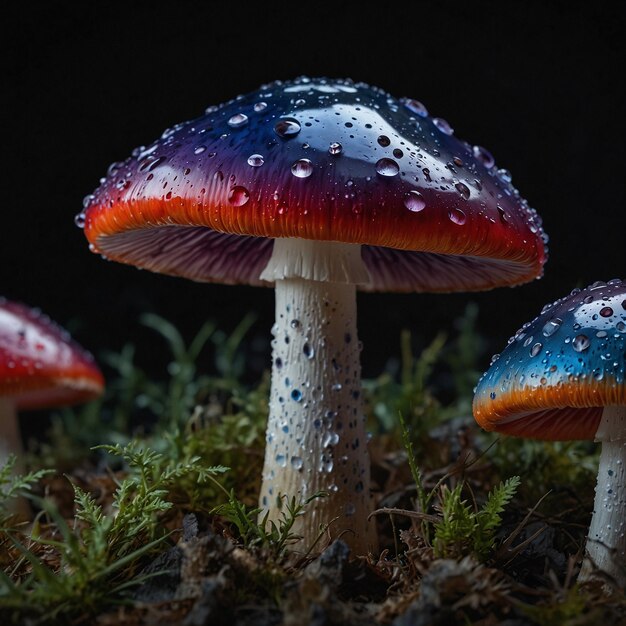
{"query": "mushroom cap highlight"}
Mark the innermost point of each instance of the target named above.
(558, 372)
(319, 159)
(40, 365)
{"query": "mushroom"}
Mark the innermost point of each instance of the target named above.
(561, 377)
(317, 187)
(40, 367)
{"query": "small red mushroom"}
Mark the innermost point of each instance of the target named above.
(40, 367)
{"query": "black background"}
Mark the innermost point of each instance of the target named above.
(539, 84)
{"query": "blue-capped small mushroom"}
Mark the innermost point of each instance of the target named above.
(561, 377)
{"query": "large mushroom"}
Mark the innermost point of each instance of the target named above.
(561, 377)
(40, 367)
(317, 187)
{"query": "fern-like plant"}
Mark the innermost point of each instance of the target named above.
(63, 572)
(463, 529)
(13, 486)
(262, 533)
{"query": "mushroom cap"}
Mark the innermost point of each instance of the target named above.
(558, 372)
(40, 365)
(318, 159)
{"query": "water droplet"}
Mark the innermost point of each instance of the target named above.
(463, 190)
(87, 200)
(505, 175)
(415, 106)
(387, 167)
(457, 216)
(443, 125)
(383, 141)
(330, 439)
(294, 323)
(278, 362)
(536, 349)
(287, 128)
(308, 351)
(297, 462)
(238, 120)
(621, 327)
(398, 153)
(581, 343)
(302, 168)
(79, 220)
(484, 156)
(238, 195)
(260, 106)
(551, 327)
(414, 201)
(350, 509)
(152, 165)
(296, 395)
(256, 160)
(606, 311)
(199, 150)
(281, 460)
(335, 148)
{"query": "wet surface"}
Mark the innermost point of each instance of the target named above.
(320, 159)
(559, 371)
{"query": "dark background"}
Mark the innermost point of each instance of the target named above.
(539, 84)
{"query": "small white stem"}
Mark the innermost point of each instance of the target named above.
(11, 443)
(606, 543)
(316, 438)
(10, 439)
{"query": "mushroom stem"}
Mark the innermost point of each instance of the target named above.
(10, 439)
(605, 554)
(316, 438)
(11, 443)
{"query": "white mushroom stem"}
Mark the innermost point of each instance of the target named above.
(606, 544)
(10, 439)
(316, 439)
(11, 443)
